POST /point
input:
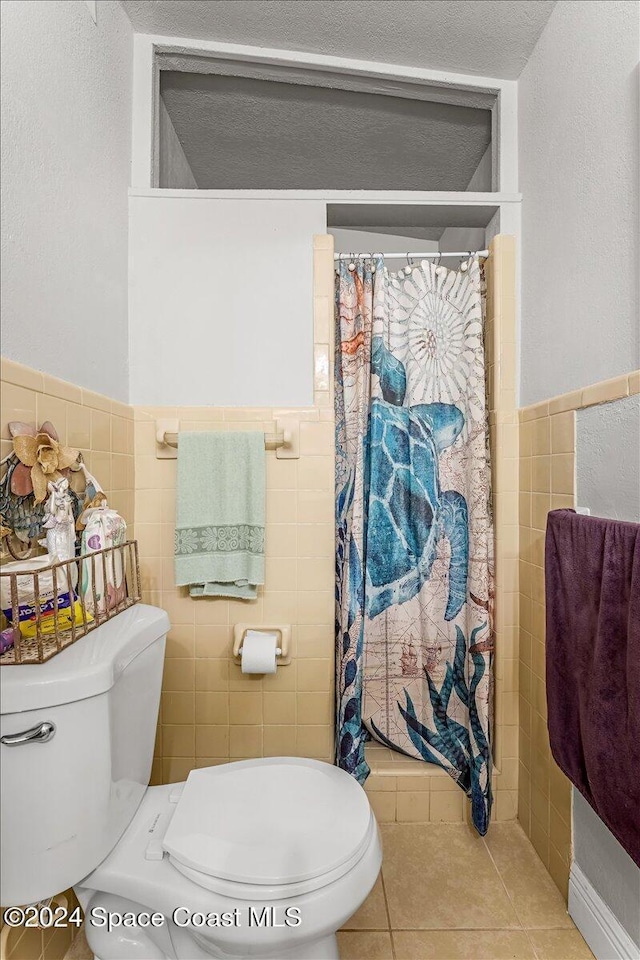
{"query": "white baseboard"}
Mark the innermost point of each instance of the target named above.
(605, 935)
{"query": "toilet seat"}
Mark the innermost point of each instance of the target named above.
(270, 828)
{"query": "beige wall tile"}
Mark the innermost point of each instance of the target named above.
(315, 573)
(211, 675)
(283, 681)
(178, 740)
(213, 641)
(178, 707)
(316, 473)
(55, 410)
(447, 806)
(559, 870)
(79, 427)
(212, 740)
(176, 769)
(384, 806)
(281, 540)
(540, 839)
(62, 389)
(563, 432)
(179, 674)
(541, 474)
(316, 439)
(281, 474)
(245, 741)
(541, 438)
(314, 642)
(566, 401)
(314, 708)
(211, 611)
(563, 473)
(314, 741)
(279, 740)
(281, 507)
(413, 807)
(211, 708)
(315, 539)
(614, 389)
(17, 403)
(316, 606)
(245, 708)
(281, 573)
(97, 401)
(313, 675)
(21, 376)
(315, 506)
(280, 707)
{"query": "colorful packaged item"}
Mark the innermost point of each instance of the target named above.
(69, 609)
(103, 528)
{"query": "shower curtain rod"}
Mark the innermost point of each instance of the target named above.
(430, 253)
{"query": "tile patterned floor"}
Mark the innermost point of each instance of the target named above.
(446, 894)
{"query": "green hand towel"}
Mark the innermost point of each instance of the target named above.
(220, 500)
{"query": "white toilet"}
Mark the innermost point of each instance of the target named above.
(254, 859)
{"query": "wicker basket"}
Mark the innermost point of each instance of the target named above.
(52, 630)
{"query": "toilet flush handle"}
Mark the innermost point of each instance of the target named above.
(38, 734)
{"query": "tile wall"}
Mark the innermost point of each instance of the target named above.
(547, 482)
(210, 711)
(103, 430)
(401, 789)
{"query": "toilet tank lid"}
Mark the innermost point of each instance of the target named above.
(85, 669)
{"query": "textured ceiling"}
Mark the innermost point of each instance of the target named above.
(487, 37)
(240, 133)
(410, 219)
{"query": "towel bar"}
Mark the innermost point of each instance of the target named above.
(281, 439)
(285, 440)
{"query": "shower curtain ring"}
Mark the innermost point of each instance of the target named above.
(409, 266)
(352, 265)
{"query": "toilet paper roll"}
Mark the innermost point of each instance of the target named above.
(259, 652)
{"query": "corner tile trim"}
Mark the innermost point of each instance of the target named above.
(605, 391)
(21, 375)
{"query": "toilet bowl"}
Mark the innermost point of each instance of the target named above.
(261, 859)
(276, 885)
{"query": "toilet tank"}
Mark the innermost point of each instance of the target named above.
(67, 797)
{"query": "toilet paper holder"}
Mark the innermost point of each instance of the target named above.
(284, 644)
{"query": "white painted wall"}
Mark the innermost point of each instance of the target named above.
(608, 868)
(608, 456)
(470, 238)
(578, 149)
(364, 241)
(175, 172)
(66, 92)
(220, 308)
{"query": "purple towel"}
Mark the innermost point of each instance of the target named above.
(592, 574)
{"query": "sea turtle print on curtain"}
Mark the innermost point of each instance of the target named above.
(414, 584)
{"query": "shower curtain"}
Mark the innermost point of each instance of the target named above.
(414, 535)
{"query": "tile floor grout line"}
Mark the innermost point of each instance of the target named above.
(506, 889)
(386, 907)
(533, 946)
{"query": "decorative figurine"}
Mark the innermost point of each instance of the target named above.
(59, 522)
